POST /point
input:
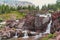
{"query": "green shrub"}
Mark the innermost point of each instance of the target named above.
(1, 19)
(50, 35)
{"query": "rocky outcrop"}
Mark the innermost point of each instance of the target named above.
(41, 23)
(30, 22)
(55, 22)
(10, 23)
(15, 23)
(36, 23)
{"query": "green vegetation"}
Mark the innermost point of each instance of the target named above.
(8, 12)
(48, 37)
(28, 8)
(52, 7)
(1, 19)
(12, 15)
(6, 9)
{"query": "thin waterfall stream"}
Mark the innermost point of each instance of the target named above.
(16, 35)
(25, 34)
(48, 27)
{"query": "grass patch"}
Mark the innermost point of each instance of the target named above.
(12, 15)
(49, 36)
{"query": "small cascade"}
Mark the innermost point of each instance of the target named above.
(38, 36)
(48, 28)
(17, 20)
(16, 36)
(25, 34)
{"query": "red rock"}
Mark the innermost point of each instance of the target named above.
(55, 22)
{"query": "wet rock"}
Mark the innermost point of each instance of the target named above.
(11, 23)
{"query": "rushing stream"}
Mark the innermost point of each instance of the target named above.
(48, 26)
(16, 36)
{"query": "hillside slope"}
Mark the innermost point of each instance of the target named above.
(12, 15)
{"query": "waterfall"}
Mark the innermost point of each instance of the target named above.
(16, 36)
(48, 27)
(25, 34)
(37, 36)
(45, 20)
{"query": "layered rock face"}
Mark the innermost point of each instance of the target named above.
(30, 22)
(55, 22)
(36, 23)
(41, 23)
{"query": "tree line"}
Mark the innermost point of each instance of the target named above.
(7, 9)
(52, 7)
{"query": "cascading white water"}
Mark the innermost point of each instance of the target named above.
(48, 27)
(25, 34)
(38, 36)
(16, 36)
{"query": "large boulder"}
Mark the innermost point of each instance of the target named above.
(36, 23)
(29, 23)
(41, 23)
(11, 23)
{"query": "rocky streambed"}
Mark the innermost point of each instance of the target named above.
(32, 27)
